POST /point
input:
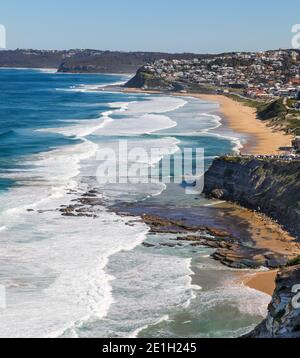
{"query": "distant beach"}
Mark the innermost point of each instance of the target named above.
(262, 138)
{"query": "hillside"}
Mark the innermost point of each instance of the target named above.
(84, 61)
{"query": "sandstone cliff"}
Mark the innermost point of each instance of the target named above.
(269, 186)
(272, 187)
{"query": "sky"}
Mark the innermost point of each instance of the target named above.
(150, 25)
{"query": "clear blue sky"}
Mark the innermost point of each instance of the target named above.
(152, 25)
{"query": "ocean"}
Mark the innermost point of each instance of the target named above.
(93, 275)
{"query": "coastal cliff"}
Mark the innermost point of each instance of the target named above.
(145, 80)
(148, 81)
(270, 186)
(283, 320)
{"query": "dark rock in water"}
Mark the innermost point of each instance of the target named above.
(30, 210)
(89, 195)
(68, 210)
(283, 320)
(217, 233)
(68, 214)
(90, 201)
(243, 257)
(229, 250)
(146, 244)
(83, 210)
(233, 254)
(163, 225)
(168, 244)
(94, 191)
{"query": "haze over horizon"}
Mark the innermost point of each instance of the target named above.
(192, 26)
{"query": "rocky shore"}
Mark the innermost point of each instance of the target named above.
(229, 250)
(269, 186)
(283, 320)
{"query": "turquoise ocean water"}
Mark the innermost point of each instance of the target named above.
(92, 277)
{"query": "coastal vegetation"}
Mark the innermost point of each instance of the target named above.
(294, 262)
(277, 113)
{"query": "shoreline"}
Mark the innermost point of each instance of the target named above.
(261, 139)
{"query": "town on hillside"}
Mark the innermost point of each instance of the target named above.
(267, 80)
(268, 74)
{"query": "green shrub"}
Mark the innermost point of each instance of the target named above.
(294, 262)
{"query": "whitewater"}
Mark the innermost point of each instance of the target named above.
(86, 276)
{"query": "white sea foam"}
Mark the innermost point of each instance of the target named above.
(136, 120)
(62, 261)
(91, 88)
(83, 129)
(157, 104)
(71, 263)
(136, 333)
(147, 288)
(144, 124)
(246, 300)
(47, 70)
(69, 253)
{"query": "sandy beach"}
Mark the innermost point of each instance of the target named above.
(261, 139)
(265, 233)
(261, 281)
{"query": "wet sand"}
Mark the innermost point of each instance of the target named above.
(261, 281)
(264, 232)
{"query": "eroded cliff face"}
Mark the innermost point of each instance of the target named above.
(283, 320)
(145, 80)
(267, 185)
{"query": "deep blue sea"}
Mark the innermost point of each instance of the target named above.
(91, 276)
